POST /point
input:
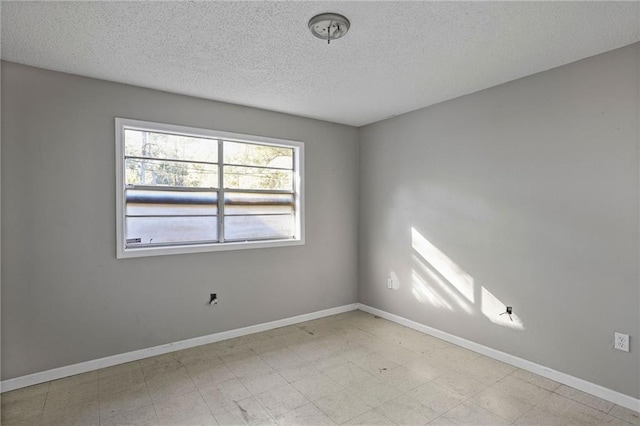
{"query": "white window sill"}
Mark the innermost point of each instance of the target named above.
(203, 248)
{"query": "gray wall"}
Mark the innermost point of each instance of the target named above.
(530, 189)
(67, 299)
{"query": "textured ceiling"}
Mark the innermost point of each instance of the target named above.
(397, 57)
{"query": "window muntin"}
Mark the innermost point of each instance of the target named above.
(177, 197)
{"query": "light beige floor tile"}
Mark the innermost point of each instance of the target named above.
(248, 411)
(225, 393)
(585, 398)
(467, 414)
(197, 352)
(307, 415)
(169, 367)
(436, 397)
(236, 354)
(294, 338)
(231, 345)
(410, 342)
(36, 420)
(198, 420)
(264, 346)
(342, 406)
(572, 410)
(403, 379)
(170, 387)
(316, 387)
(454, 354)
(86, 414)
(297, 370)
(144, 416)
(71, 381)
(280, 331)
(119, 369)
(72, 396)
(625, 414)
(120, 381)
(539, 417)
(329, 362)
(422, 343)
(351, 335)
(198, 361)
(405, 410)
(441, 421)
(208, 376)
(279, 401)
(396, 354)
(427, 367)
(24, 393)
(247, 366)
(158, 360)
(614, 421)
(355, 352)
(261, 382)
(534, 379)
(504, 405)
(370, 418)
(485, 370)
(22, 408)
(280, 357)
(174, 410)
(308, 349)
(167, 375)
(348, 375)
(460, 384)
(124, 400)
(374, 391)
(520, 389)
(375, 364)
(312, 351)
(379, 326)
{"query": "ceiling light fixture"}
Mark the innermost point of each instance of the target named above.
(329, 26)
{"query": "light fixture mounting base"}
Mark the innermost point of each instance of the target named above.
(329, 26)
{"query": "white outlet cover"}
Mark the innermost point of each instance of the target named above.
(621, 341)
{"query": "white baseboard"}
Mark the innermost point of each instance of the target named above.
(83, 367)
(566, 379)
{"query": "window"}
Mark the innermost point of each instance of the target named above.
(185, 190)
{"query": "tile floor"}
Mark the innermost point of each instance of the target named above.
(352, 368)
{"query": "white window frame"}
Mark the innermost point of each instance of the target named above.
(298, 182)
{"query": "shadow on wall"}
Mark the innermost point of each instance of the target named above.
(439, 281)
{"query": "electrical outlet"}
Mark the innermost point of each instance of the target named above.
(213, 299)
(621, 341)
(389, 283)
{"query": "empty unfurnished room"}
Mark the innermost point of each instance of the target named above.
(319, 213)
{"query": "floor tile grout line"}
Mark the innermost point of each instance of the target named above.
(198, 390)
(153, 404)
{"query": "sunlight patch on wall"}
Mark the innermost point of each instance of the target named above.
(492, 307)
(438, 280)
(425, 294)
(433, 278)
(446, 267)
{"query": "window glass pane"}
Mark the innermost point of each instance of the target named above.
(170, 173)
(258, 227)
(258, 155)
(140, 143)
(256, 178)
(163, 230)
(170, 203)
(244, 203)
